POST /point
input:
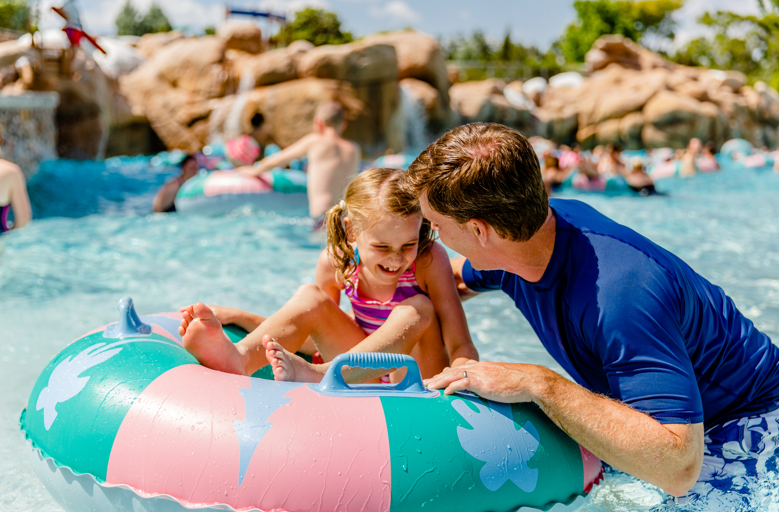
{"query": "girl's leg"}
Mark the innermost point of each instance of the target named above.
(309, 312)
(249, 322)
(430, 353)
(401, 332)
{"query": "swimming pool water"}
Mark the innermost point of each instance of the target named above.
(93, 241)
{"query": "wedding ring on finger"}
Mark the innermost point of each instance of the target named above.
(465, 374)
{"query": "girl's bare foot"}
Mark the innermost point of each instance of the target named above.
(288, 367)
(204, 338)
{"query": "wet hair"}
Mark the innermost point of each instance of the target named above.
(551, 162)
(373, 192)
(187, 159)
(483, 171)
(331, 113)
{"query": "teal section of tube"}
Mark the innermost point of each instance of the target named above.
(236, 334)
(84, 394)
(193, 187)
(432, 471)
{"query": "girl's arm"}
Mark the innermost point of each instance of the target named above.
(435, 272)
(325, 277)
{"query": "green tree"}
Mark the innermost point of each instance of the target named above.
(127, 20)
(749, 44)
(155, 20)
(14, 14)
(506, 51)
(633, 19)
(318, 27)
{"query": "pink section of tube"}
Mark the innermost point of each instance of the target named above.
(222, 182)
(321, 453)
(593, 469)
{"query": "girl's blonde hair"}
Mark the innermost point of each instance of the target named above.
(375, 191)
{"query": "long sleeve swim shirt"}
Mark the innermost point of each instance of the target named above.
(630, 320)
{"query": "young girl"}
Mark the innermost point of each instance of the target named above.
(380, 251)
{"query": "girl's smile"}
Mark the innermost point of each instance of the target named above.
(388, 247)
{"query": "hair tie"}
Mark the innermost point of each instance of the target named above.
(342, 204)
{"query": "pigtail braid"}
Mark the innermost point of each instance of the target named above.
(339, 248)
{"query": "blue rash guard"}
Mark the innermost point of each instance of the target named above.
(630, 320)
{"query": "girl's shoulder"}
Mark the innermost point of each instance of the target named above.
(431, 265)
(327, 270)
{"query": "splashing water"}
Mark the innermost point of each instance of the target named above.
(93, 241)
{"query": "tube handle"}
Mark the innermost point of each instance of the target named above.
(333, 382)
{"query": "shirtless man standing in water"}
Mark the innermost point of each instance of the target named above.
(332, 160)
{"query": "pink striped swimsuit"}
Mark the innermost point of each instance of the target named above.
(371, 314)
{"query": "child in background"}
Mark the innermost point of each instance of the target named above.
(381, 252)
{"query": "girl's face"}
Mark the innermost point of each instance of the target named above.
(388, 246)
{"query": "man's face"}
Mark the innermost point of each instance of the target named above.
(452, 234)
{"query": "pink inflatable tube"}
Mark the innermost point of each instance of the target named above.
(124, 419)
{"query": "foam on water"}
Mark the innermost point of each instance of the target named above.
(62, 276)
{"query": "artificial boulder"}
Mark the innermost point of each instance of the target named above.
(288, 108)
(149, 44)
(677, 117)
(245, 37)
(419, 56)
(372, 71)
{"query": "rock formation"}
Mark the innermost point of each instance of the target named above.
(192, 90)
(632, 97)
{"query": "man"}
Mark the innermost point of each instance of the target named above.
(332, 160)
(164, 200)
(657, 353)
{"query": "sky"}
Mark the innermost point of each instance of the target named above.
(537, 22)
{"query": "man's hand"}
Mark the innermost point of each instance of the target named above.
(666, 455)
(492, 380)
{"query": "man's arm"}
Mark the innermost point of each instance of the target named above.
(285, 156)
(666, 455)
(166, 196)
(463, 291)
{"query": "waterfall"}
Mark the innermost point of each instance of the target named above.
(414, 122)
(28, 127)
(225, 121)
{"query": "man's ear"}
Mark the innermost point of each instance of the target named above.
(481, 230)
(349, 230)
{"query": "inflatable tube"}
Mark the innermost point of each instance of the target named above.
(397, 161)
(220, 192)
(667, 169)
(125, 419)
(611, 183)
(737, 148)
(706, 165)
(757, 161)
(582, 182)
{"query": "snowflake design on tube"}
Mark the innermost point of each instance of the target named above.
(495, 440)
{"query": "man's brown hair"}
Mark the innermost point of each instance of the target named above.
(483, 171)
